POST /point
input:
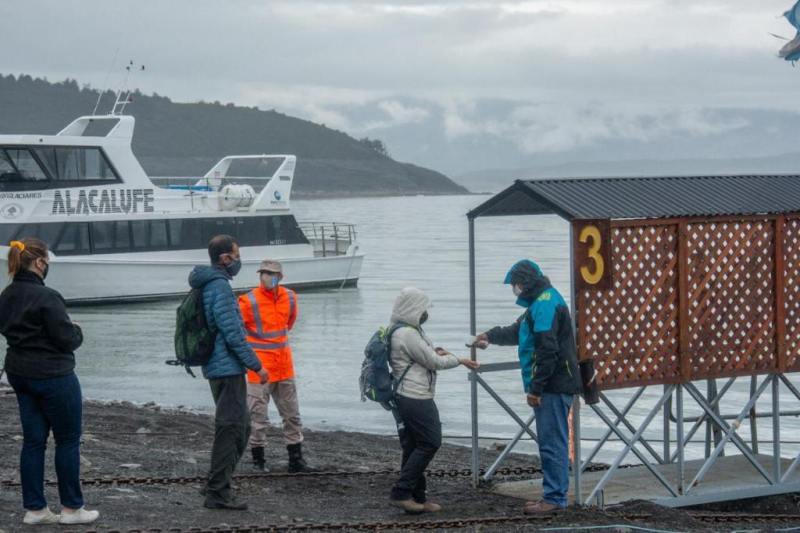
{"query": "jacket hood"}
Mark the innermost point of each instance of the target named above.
(409, 306)
(527, 274)
(203, 274)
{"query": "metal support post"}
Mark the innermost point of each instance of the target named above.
(607, 434)
(473, 355)
(753, 423)
(730, 434)
(502, 457)
(667, 411)
(681, 444)
(776, 428)
(630, 427)
(631, 443)
(577, 467)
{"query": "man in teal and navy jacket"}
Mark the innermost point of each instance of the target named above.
(550, 375)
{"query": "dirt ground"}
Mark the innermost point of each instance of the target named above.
(121, 439)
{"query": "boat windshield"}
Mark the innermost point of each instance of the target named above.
(32, 168)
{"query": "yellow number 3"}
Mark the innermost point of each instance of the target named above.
(593, 278)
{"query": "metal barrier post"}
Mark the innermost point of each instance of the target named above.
(473, 355)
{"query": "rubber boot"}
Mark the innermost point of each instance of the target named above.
(259, 463)
(296, 462)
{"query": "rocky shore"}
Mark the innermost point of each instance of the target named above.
(124, 440)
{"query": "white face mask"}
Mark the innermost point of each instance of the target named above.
(270, 282)
(517, 290)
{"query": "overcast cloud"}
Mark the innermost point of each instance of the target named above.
(527, 81)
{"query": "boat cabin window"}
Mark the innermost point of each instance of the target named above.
(43, 167)
(124, 236)
(17, 165)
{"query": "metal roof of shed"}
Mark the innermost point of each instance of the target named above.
(646, 197)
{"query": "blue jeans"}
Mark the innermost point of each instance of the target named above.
(552, 427)
(46, 404)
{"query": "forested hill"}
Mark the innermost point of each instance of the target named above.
(187, 139)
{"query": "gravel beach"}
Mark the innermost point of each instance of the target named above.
(125, 440)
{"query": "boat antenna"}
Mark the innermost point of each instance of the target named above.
(122, 101)
(105, 83)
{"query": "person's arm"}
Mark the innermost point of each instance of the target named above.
(421, 353)
(292, 307)
(230, 325)
(545, 339)
(503, 335)
(63, 332)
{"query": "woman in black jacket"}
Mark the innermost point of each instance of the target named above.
(40, 367)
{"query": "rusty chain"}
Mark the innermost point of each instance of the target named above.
(185, 480)
(452, 523)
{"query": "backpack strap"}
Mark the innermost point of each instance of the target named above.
(396, 383)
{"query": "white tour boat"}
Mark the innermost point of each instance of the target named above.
(115, 236)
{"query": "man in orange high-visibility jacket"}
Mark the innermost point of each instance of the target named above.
(269, 312)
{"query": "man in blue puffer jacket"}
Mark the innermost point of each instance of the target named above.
(226, 369)
(547, 356)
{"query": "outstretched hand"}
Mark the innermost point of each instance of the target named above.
(469, 363)
(481, 341)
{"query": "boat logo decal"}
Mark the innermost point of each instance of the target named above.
(277, 195)
(103, 202)
(11, 211)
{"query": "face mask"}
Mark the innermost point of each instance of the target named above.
(45, 271)
(517, 290)
(272, 282)
(423, 318)
(233, 267)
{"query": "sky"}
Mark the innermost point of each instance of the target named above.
(456, 85)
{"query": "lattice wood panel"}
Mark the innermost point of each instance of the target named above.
(791, 267)
(695, 299)
(731, 297)
(631, 331)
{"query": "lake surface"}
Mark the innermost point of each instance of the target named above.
(409, 242)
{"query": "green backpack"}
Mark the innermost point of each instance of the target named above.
(194, 340)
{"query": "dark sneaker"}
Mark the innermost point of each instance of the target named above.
(232, 505)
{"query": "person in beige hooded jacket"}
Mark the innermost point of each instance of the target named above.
(418, 425)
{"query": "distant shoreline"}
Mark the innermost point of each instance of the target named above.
(162, 181)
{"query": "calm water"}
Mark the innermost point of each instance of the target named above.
(413, 241)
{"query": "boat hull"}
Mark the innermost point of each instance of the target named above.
(88, 281)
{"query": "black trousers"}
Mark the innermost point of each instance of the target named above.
(232, 429)
(420, 434)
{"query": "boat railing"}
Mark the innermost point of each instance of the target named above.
(329, 239)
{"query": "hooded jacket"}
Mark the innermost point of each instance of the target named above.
(232, 354)
(410, 346)
(41, 337)
(543, 334)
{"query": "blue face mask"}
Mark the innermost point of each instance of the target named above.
(272, 282)
(233, 267)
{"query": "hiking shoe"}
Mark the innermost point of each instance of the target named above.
(409, 506)
(80, 516)
(541, 507)
(43, 516)
(298, 465)
(259, 461)
(432, 507)
(232, 505)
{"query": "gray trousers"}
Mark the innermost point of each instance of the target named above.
(284, 394)
(231, 431)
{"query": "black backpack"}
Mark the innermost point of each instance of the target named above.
(376, 381)
(194, 340)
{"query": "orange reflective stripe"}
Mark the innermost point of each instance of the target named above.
(268, 346)
(268, 335)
